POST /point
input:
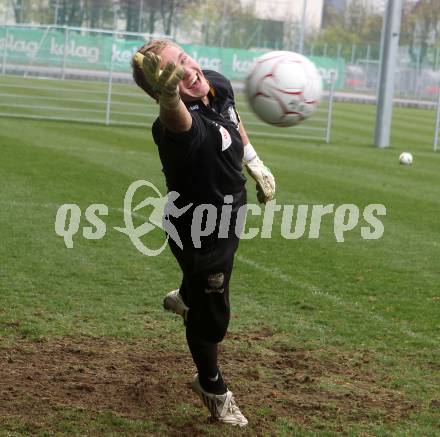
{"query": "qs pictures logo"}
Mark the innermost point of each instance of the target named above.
(296, 221)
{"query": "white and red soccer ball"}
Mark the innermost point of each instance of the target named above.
(283, 88)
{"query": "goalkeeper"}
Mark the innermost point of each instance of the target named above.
(202, 146)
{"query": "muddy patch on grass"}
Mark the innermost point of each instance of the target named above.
(147, 380)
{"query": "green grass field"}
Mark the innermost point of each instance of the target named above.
(325, 338)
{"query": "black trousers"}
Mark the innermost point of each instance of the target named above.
(205, 290)
(205, 286)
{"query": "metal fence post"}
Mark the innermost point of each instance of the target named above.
(302, 31)
(353, 53)
(66, 42)
(330, 106)
(5, 51)
(40, 44)
(437, 120)
(223, 26)
(418, 84)
(367, 69)
(109, 88)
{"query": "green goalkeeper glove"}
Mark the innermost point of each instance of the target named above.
(164, 83)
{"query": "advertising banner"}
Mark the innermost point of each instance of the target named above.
(99, 51)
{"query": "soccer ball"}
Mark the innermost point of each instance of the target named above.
(283, 88)
(406, 158)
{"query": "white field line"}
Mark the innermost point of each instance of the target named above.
(104, 150)
(348, 305)
(57, 108)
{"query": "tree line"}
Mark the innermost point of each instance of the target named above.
(360, 23)
(234, 24)
(137, 15)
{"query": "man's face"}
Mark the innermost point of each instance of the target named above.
(194, 85)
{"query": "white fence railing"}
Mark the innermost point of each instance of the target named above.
(77, 74)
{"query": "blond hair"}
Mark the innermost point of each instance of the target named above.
(156, 47)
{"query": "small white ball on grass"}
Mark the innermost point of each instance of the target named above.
(406, 158)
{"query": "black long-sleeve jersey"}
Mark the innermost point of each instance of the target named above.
(204, 164)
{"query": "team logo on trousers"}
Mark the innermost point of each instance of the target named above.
(215, 283)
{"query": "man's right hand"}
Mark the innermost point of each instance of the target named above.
(164, 83)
